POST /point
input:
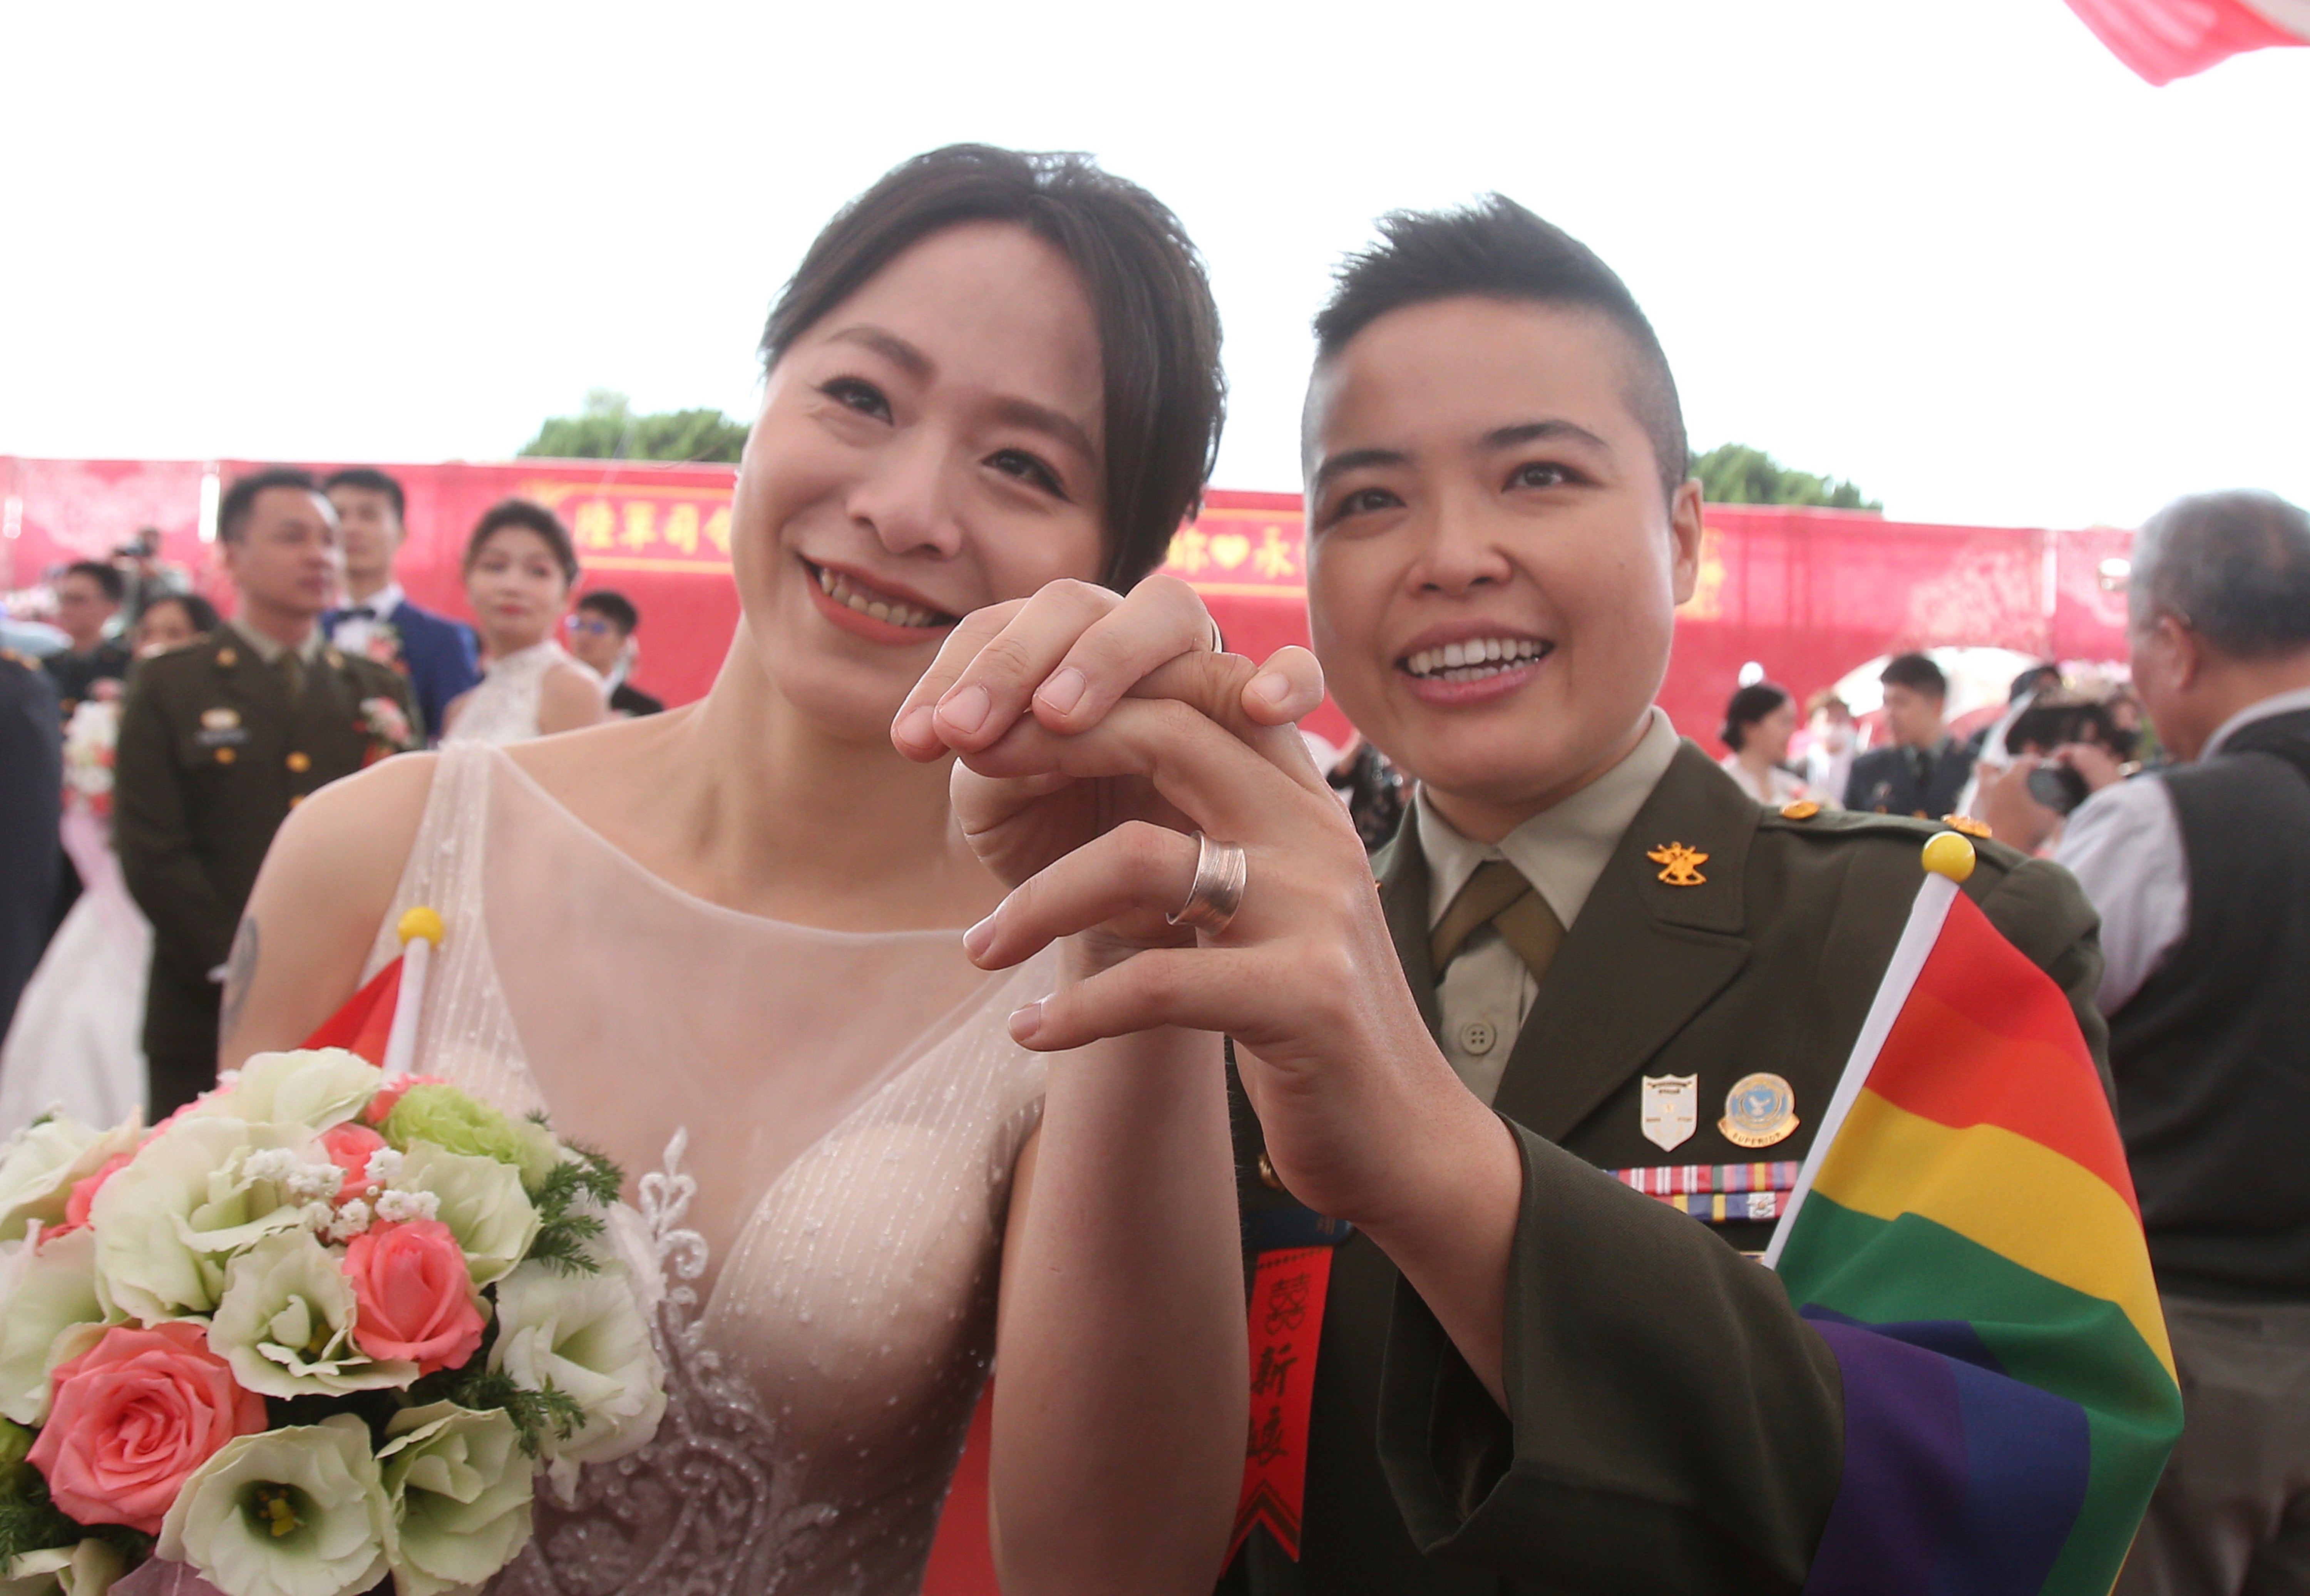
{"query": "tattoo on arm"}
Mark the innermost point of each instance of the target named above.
(239, 971)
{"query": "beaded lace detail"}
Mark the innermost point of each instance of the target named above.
(503, 709)
(840, 1117)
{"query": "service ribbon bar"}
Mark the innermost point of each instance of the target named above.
(1688, 1180)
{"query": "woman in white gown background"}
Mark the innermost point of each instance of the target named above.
(731, 936)
(75, 1046)
(520, 567)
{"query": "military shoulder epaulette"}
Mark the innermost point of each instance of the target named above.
(16, 657)
(1805, 816)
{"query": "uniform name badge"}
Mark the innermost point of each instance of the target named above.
(1289, 1284)
(1671, 1108)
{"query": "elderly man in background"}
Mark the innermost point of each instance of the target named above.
(2201, 874)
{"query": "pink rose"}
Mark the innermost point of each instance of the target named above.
(412, 1295)
(83, 1193)
(132, 1418)
(349, 1146)
(390, 1093)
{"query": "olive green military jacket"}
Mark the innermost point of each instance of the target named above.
(1671, 1425)
(212, 757)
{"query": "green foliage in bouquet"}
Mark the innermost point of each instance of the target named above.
(564, 1238)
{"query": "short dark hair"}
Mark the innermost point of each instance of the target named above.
(2233, 568)
(368, 479)
(1496, 249)
(1916, 672)
(1749, 706)
(199, 613)
(108, 579)
(1159, 327)
(2033, 681)
(613, 607)
(241, 498)
(529, 514)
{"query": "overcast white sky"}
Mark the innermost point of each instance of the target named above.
(1955, 252)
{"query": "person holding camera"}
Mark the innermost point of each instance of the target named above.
(2200, 873)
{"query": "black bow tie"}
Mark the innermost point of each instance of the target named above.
(359, 613)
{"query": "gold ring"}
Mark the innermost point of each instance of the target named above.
(1222, 868)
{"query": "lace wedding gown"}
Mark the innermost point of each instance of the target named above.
(503, 707)
(831, 1120)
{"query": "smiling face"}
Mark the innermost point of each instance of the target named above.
(516, 587)
(1492, 571)
(930, 447)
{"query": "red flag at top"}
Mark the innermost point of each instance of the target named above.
(365, 1021)
(2165, 39)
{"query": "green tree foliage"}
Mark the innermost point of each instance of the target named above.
(607, 429)
(1735, 473)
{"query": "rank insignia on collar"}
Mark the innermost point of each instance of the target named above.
(1680, 865)
(1966, 824)
(1670, 1109)
(1759, 1111)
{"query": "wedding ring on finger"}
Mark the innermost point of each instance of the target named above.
(1222, 868)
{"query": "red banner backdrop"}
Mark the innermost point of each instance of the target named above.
(1806, 594)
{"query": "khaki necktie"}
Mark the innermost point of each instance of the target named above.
(292, 672)
(1499, 897)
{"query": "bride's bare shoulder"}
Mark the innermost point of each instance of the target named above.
(348, 842)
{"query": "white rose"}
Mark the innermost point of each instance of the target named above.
(169, 1223)
(47, 1292)
(585, 1336)
(318, 1089)
(286, 1324)
(458, 1488)
(480, 1200)
(88, 1569)
(41, 1167)
(294, 1511)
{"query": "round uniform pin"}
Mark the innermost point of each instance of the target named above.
(1759, 1111)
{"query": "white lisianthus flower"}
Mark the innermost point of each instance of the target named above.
(317, 1088)
(89, 1569)
(458, 1489)
(46, 1294)
(286, 1324)
(41, 1165)
(480, 1200)
(585, 1335)
(293, 1511)
(169, 1223)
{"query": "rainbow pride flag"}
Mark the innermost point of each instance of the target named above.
(1964, 1236)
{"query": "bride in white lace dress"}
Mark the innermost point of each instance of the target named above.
(724, 944)
(520, 565)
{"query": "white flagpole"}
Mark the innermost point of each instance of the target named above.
(1926, 913)
(420, 930)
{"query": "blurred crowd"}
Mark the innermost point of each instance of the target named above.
(155, 746)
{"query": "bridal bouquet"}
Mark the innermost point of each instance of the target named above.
(313, 1329)
(89, 742)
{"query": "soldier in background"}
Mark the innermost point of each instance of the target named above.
(31, 793)
(220, 741)
(88, 597)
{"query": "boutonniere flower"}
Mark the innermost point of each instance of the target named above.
(384, 646)
(387, 729)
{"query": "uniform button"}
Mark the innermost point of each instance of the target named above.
(225, 756)
(301, 762)
(1478, 1036)
(1267, 1176)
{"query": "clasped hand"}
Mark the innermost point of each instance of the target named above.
(1096, 735)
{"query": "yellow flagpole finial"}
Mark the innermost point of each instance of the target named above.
(1950, 854)
(420, 922)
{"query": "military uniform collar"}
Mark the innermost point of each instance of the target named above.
(1561, 850)
(269, 650)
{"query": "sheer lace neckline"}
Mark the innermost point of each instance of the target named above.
(706, 907)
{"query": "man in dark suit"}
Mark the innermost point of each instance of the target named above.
(378, 621)
(1923, 769)
(602, 634)
(219, 740)
(88, 598)
(31, 792)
